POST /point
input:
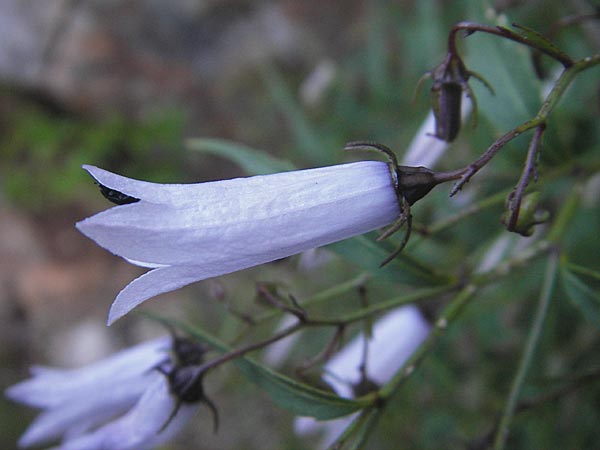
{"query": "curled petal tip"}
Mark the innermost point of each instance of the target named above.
(114, 314)
(90, 169)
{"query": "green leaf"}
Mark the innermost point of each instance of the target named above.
(299, 398)
(368, 254)
(254, 162)
(583, 270)
(313, 147)
(356, 434)
(377, 54)
(507, 67)
(538, 39)
(585, 298)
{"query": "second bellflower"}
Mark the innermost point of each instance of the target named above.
(190, 232)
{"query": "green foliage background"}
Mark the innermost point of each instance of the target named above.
(456, 396)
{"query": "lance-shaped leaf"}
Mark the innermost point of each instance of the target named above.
(299, 398)
(586, 299)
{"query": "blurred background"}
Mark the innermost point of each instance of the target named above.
(125, 85)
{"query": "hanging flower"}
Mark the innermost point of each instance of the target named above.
(394, 338)
(190, 232)
(125, 402)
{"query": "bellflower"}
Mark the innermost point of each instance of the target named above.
(190, 232)
(393, 340)
(120, 403)
(424, 150)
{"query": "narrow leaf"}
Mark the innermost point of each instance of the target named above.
(586, 299)
(299, 398)
(311, 144)
(507, 67)
(538, 39)
(583, 270)
(368, 255)
(254, 162)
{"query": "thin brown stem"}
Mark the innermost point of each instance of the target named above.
(471, 27)
(295, 310)
(325, 354)
(516, 196)
(237, 353)
(479, 163)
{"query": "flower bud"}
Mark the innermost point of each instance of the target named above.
(528, 216)
(450, 80)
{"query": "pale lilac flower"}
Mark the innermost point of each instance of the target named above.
(190, 232)
(425, 149)
(120, 403)
(276, 353)
(394, 339)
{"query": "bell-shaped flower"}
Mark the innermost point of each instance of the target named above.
(394, 338)
(190, 232)
(120, 403)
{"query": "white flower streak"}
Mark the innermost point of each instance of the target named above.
(190, 232)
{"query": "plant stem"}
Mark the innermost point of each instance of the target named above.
(530, 348)
(417, 296)
(365, 420)
(504, 268)
(448, 315)
(569, 208)
(539, 120)
(548, 48)
(516, 196)
(320, 297)
(447, 222)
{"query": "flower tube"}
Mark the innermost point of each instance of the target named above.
(124, 402)
(393, 340)
(190, 232)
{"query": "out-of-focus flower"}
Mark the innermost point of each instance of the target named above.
(425, 149)
(120, 403)
(190, 232)
(314, 86)
(393, 340)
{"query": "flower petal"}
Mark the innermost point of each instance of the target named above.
(259, 220)
(144, 190)
(425, 149)
(393, 339)
(141, 427)
(94, 409)
(52, 387)
(152, 283)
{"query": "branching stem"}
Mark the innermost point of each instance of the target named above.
(539, 121)
(471, 27)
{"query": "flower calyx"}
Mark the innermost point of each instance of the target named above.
(450, 80)
(185, 374)
(523, 219)
(410, 183)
